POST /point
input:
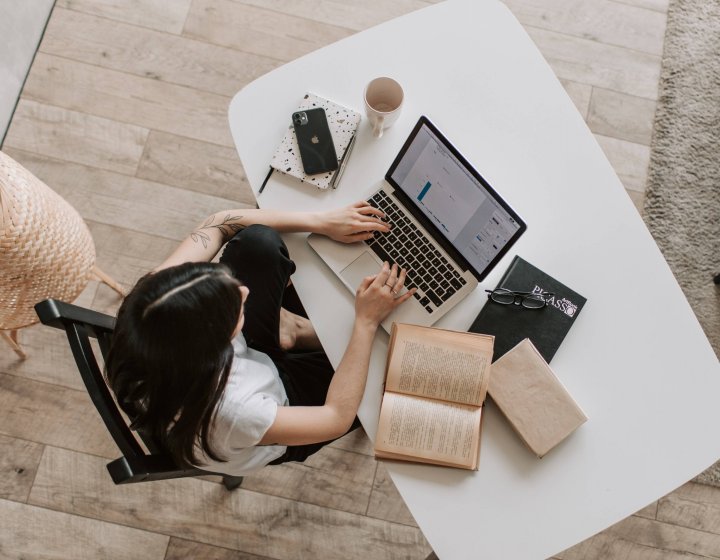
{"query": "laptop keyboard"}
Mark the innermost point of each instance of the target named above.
(435, 278)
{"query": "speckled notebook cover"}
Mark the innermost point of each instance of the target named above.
(343, 123)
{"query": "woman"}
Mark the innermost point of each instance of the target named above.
(217, 361)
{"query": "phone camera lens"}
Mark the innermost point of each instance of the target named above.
(300, 118)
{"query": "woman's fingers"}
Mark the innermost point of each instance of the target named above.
(365, 209)
(401, 280)
(382, 276)
(399, 285)
(371, 212)
(370, 222)
(392, 279)
(365, 283)
(377, 296)
(363, 218)
(406, 296)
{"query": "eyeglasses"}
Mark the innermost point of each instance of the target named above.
(528, 300)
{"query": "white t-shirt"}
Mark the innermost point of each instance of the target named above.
(246, 411)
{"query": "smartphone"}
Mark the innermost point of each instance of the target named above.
(317, 150)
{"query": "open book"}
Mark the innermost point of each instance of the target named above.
(435, 386)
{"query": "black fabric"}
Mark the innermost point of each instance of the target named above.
(259, 258)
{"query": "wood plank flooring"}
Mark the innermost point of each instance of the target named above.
(124, 113)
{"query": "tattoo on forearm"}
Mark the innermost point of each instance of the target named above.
(227, 227)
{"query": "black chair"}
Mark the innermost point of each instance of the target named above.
(135, 465)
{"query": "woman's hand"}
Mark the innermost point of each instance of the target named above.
(352, 223)
(378, 295)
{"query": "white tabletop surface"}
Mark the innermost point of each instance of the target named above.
(636, 359)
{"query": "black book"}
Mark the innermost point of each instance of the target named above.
(545, 327)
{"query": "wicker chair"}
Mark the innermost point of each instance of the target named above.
(46, 250)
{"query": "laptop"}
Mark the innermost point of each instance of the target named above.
(449, 228)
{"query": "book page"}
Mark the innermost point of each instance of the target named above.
(439, 364)
(444, 432)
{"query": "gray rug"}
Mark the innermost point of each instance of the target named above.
(682, 206)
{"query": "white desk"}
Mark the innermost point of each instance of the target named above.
(636, 360)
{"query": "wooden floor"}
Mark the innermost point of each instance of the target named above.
(124, 113)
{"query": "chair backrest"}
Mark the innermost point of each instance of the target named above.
(80, 325)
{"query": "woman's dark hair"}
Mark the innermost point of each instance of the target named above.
(171, 354)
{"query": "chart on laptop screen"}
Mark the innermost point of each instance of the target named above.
(442, 190)
(447, 192)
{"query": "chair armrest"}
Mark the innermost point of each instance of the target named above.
(54, 313)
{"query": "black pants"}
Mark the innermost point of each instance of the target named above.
(259, 258)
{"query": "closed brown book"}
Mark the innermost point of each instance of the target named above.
(533, 399)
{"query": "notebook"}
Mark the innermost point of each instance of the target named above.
(546, 327)
(343, 123)
(449, 228)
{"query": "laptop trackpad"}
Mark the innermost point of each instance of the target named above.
(364, 265)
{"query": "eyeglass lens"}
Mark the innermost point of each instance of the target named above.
(530, 301)
(533, 301)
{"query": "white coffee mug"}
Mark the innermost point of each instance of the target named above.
(383, 101)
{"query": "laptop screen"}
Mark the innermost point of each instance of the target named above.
(439, 184)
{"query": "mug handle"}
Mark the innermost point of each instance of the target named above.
(378, 127)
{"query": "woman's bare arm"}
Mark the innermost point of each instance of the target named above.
(349, 224)
(299, 425)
